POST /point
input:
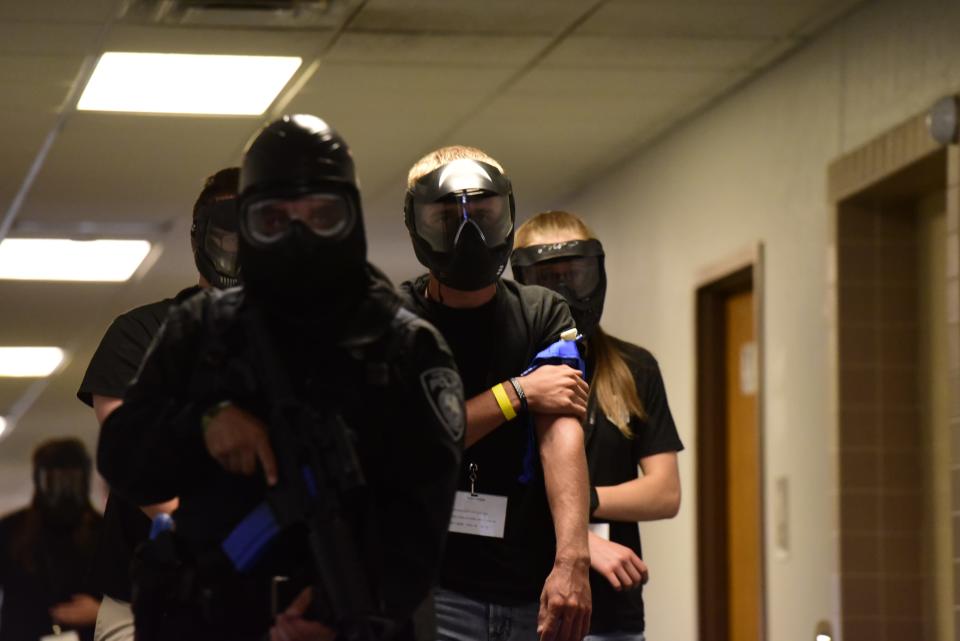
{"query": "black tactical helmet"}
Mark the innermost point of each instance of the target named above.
(300, 158)
(294, 155)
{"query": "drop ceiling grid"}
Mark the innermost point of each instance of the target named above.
(704, 18)
(544, 17)
(59, 11)
(391, 115)
(108, 166)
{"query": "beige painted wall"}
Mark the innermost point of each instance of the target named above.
(752, 169)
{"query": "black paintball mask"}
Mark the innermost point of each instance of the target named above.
(214, 238)
(461, 219)
(61, 480)
(302, 241)
(574, 269)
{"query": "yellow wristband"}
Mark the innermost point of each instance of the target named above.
(503, 401)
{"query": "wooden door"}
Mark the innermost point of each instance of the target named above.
(744, 545)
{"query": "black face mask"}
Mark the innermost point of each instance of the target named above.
(61, 495)
(573, 269)
(461, 217)
(214, 237)
(301, 274)
(471, 265)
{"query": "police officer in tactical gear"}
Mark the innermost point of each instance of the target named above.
(311, 427)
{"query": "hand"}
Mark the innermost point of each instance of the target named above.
(80, 611)
(565, 603)
(556, 389)
(291, 626)
(237, 440)
(617, 563)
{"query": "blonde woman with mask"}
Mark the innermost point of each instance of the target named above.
(628, 422)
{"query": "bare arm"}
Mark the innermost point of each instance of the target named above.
(550, 389)
(565, 603)
(102, 407)
(655, 495)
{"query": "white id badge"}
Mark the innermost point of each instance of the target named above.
(601, 529)
(479, 514)
(70, 635)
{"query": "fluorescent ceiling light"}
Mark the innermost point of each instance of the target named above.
(179, 83)
(3, 425)
(29, 362)
(63, 259)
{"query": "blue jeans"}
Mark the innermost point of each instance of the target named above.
(616, 636)
(460, 618)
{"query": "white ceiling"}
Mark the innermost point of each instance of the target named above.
(558, 90)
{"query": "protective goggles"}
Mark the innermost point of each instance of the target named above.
(328, 216)
(575, 265)
(443, 203)
(220, 240)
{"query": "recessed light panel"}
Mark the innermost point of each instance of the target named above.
(179, 83)
(29, 362)
(77, 260)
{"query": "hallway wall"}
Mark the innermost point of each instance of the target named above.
(753, 169)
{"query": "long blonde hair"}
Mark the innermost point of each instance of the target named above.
(613, 383)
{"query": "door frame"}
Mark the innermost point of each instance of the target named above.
(740, 272)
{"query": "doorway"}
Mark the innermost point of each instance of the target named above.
(730, 456)
(896, 397)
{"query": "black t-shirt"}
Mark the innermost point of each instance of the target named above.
(490, 344)
(612, 459)
(394, 385)
(109, 373)
(39, 568)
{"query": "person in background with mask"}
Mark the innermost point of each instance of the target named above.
(525, 571)
(628, 422)
(213, 237)
(46, 549)
(309, 425)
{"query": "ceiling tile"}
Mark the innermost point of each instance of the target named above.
(45, 38)
(392, 115)
(166, 38)
(701, 18)
(657, 53)
(498, 17)
(107, 167)
(59, 11)
(617, 84)
(436, 49)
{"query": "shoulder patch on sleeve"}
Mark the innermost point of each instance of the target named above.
(444, 390)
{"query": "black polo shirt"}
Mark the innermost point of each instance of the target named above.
(490, 344)
(612, 459)
(109, 373)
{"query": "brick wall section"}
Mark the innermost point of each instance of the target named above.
(880, 448)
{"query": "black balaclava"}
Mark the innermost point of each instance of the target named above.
(471, 256)
(531, 267)
(302, 274)
(213, 237)
(61, 478)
